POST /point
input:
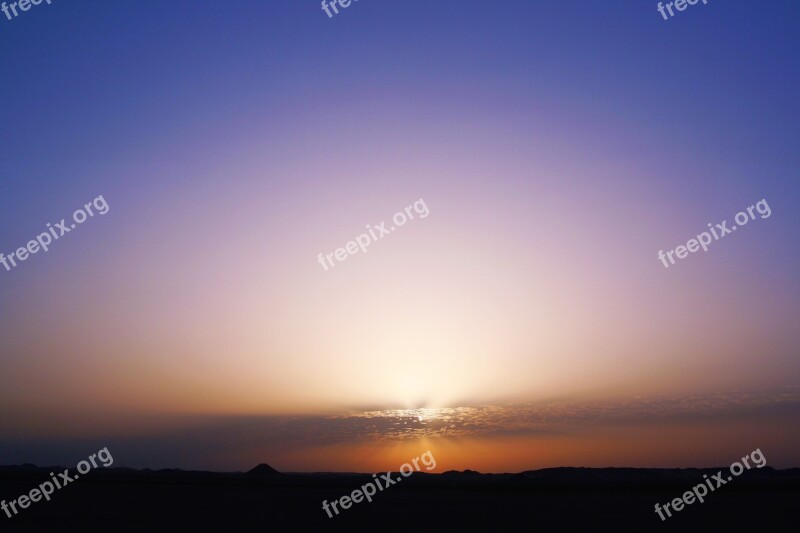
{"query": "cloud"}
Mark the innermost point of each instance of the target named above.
(215, 440)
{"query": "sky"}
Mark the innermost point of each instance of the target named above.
(526, 321)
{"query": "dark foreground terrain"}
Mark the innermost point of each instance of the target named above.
(560, 499)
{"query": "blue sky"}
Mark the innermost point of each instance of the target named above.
(558, 144)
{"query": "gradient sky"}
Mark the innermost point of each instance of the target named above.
(558, 145)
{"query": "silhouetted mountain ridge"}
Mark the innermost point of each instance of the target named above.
(609, 499)
(461, 473)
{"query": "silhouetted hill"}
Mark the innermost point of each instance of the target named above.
(263, 470)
